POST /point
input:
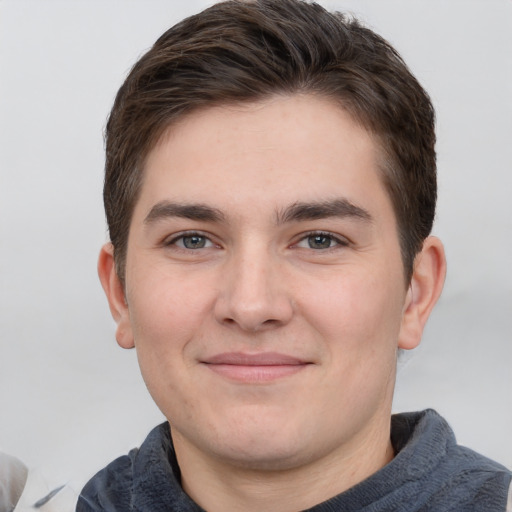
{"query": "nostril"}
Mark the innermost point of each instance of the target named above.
(252, 325)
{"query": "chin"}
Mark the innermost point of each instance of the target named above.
(264, 456)
(263, 445)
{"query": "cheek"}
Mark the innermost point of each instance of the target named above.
(166, 313)
(164, 322)
(359, 321)
(359, 314)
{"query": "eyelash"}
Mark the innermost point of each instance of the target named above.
(187, 234)
(339, 241)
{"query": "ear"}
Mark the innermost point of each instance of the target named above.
(424, 290)
(116, 297)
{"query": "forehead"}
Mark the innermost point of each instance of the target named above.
(283, 149)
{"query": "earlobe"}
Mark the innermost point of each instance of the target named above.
(115, 295)
(424, 291)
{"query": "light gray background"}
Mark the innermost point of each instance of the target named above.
(70, 399)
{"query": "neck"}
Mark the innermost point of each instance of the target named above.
(216, 485)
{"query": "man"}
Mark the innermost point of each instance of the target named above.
(270, 190)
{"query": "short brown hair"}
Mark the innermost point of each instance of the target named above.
(238, 51)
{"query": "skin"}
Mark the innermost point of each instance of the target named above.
(265, 297)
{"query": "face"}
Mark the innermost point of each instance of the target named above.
(264, 283)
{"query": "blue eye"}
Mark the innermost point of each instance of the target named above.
(319, 241)
(194, 242)
(191, 241)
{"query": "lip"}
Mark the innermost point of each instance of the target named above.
(255, 368)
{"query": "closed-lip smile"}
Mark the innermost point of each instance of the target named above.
(255, 368)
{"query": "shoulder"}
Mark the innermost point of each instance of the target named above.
(112, 488)
(452, 477)
(484, 482)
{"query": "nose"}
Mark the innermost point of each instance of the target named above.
(254, 292)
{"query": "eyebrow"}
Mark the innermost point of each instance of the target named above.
(191, 211)
(340, 207)
(299, 211)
